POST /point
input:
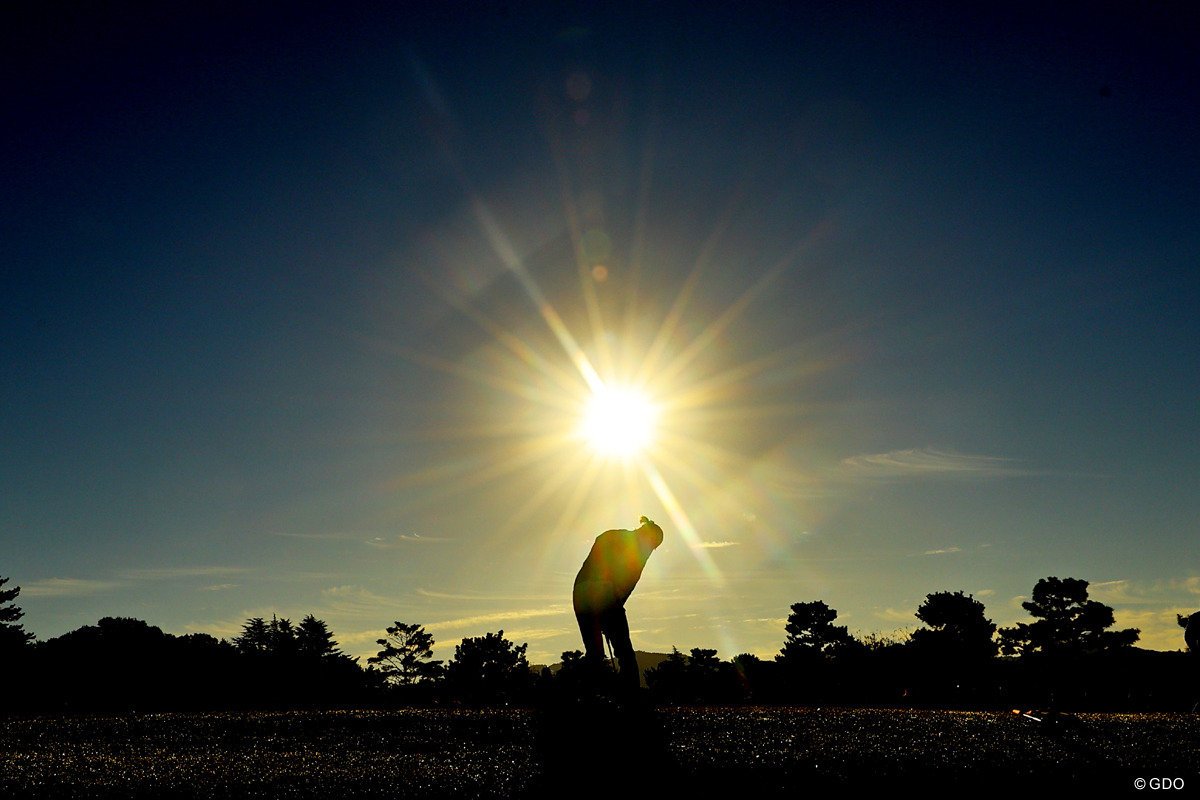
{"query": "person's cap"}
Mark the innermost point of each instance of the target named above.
(650, 526)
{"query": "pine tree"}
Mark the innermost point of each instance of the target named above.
(12, 634)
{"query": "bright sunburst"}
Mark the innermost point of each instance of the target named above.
(619, 422)
(619, 393)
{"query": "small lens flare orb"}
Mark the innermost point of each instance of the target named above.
(619, 422)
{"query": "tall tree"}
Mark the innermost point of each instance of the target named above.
(668, 681)
(407, 655)
(489, 669)
(12, 633)
(314, 639)
(957, 627)
(282, 636)
(1065, 621)
(811, 633)
(255, 638)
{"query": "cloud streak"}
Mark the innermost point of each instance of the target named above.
(403, 539)
(501, 616)
(171, 573)
(67, 587)
(928, 463)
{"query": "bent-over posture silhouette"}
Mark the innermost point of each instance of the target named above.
(602, 586)
(1191, 637)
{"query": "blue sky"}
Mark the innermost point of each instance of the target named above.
(295, 306)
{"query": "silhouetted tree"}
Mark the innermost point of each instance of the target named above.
(278, 636)
(876, 642)
(314, 639)
(289, 666)
(1066, 622)
(124, 659)
(489, 669)
(571, 659)
(751, 674)
(668, 681)
(704, 660)
(819, 659)
(712, 680)
(949, 662)
(406, 657)
(699, 678)
(811, 633)
(575, 669)
(255, 638)
(281, 637)
(13, 635)
(957, 628)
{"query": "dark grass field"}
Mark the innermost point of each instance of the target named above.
(569, 750)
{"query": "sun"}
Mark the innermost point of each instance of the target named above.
(618, 422)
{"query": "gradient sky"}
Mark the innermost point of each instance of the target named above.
(296, 311)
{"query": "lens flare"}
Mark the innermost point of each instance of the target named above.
(619, 422)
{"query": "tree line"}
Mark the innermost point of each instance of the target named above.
(1067, 655)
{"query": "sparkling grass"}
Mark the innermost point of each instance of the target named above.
(466, 754)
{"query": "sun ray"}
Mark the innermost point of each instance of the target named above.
(545, 491)
(705, 338)
(581, 471)
(590, 301)
(672, 319)
(513, 343)
(504, 251)
(704, 391)
(511, 386)
(641, 207)
(574, 503)
(520, 455)
(680, 518)
(699, 401)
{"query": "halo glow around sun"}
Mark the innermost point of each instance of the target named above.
(619, 422)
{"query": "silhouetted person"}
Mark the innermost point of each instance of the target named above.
(602, 586)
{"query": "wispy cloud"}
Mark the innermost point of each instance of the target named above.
(355, 601)
(171, 573)
(480, 597)
(1159, 630)
(67, 587)
(1129, 592)
(500, 616)
(371, 539)
(300, 576)
(537, 634)
(710, 545)
(943, 551)
(405, 539)
(928, 463)
(321, 536)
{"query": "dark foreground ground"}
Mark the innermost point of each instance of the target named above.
(568, 751)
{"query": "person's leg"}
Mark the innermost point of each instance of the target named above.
(589, 599)
(593, 639)
(616, 628)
